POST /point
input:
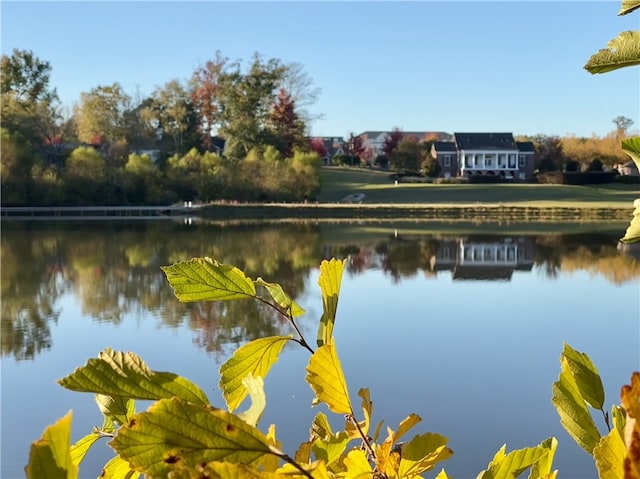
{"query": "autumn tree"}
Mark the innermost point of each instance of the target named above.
(287, 128)
(355, 149)
(317, 145)
(206, 84)
(391, 142)
(86, 176)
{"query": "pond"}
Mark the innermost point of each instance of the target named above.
(462, 324)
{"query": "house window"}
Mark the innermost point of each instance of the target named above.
(488, 160)
(478, 159)
(502, 160)
(512, 161)
(523, 160)
(447, 160)
(468, 161)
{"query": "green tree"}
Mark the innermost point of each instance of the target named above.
(247, 100)
(169, 110)
(549, 154)
(15, 166)
(142, 180)
(101, 115)
(407, 156)
(86, 176)
(25, 78)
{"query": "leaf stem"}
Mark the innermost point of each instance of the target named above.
(288, 459)
(364, 437)
(287, 314)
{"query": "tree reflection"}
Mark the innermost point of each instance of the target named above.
(113, 270)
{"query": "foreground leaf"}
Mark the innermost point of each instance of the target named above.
(329, 280)
(622, 51)
(422, 453)
(325, 376)
(572, 409)
(609, 456)
(281, 298)
(121, 374)
(632, 234)
(543, 468)
(116, 408)
(50, 456)
(255, 358)
(175, 432)
(255, 387)
(358, 466)
(628, 6)
(631, 146)
(205, 279)
(511, 465)
(331, 448)
(630, 396)
(586, 377)
(79, 450)
(118, 468)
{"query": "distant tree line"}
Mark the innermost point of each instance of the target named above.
(229, 132)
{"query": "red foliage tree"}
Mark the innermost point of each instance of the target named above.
(205, 84)
(317, 145)
(288, 128)
(391, 142)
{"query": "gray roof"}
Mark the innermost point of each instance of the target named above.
(485, 141)
(443, 146)
(526, 146)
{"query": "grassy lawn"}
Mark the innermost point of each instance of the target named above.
(338, 182)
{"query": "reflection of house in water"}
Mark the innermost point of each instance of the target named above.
(484, 258)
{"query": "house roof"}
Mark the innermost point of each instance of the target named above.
(485, 141)
(445, 146)
(526, 146)
(482, 273)
(420, 135)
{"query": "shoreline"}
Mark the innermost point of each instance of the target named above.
(332, 211)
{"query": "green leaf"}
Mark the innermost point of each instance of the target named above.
(176, 432)
(281, 298)
(422, 453)
(116, 408)
(513, 464)
(50, 456)
(255, 387)
(329, 280)
(116, 373)
(574, 416)
(631, 146)
(325, 376)
(586, 376)
(256, 358)
(204, 279)
(320, 427)
(79, 449)
(609, 456)
(118, 468)
(331, 448)
(628, 6)
(622, 51)
(618, 418)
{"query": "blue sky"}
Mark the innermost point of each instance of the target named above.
(446, 66)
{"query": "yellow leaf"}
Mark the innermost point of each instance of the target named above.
(357, 465)
(256, 358)
(630, 396)
(50, 456)
(329, 281)
(325, 376)
(609, 456)
(422, 453)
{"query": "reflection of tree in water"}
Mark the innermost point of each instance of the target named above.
(32, 281)
(224, 326)
(114, 270)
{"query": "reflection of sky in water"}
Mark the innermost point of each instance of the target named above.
(475, 359)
